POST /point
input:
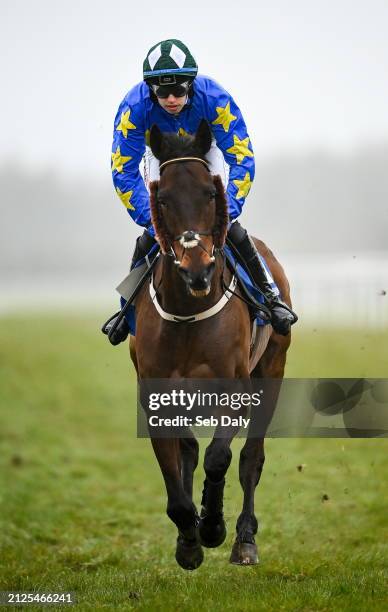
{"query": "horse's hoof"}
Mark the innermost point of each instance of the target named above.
(189, 554)
(244, 553)
(212, 534)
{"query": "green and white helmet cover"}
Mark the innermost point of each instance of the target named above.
(169, 62)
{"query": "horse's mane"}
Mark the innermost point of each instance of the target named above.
(176, 146)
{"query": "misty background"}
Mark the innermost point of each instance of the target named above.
(310, 79)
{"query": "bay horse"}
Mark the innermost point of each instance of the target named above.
(189, 214)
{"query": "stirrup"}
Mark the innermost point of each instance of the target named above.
(120, 333)
(105, 328)
(282, 324)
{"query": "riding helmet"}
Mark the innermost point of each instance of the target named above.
(169, 62)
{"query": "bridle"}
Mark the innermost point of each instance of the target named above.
(183, 159)
(189, 239)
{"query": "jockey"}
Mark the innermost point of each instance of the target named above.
(175, 98)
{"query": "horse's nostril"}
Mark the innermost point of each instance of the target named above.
(186, 275)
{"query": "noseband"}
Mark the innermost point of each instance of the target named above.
(189, 239)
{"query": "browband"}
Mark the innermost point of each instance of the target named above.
(183, 159)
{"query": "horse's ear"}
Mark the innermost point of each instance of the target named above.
(203, 137)
(222, 216)
(162, 234)
(156, 138)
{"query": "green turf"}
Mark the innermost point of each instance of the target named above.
(83, 503)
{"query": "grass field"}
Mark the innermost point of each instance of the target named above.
(83, 503)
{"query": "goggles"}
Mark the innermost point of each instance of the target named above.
(177, 90)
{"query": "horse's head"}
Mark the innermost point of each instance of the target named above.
(188, 205)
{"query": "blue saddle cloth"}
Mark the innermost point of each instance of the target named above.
(244, 276)
(241, 273)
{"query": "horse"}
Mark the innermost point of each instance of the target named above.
(190, 217)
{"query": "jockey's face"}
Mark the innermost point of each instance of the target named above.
(172, 104)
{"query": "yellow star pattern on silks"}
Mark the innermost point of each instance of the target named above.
(182, 132)
(243, 186)
(147, 137)
(125, 124)
(119, 160)
(125, 198)
(240, 148)
(225, 117)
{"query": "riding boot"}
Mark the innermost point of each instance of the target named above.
(144, 244)
(282, 317)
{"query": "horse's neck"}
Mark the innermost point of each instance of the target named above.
(172, 292)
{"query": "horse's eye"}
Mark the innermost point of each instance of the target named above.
(213, 195)
(162, 202)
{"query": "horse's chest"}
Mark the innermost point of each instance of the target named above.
(188, 351)
(215, 347)
(191, 352)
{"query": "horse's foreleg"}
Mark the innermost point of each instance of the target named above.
(180, 507)
(217, 460)
(189, 453)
